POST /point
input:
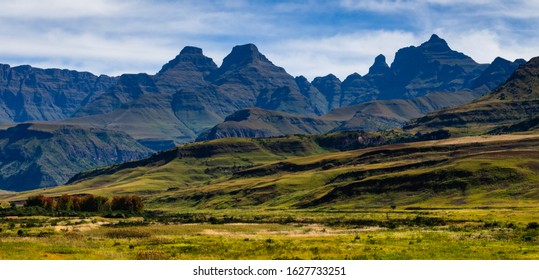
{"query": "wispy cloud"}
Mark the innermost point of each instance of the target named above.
(60, 9)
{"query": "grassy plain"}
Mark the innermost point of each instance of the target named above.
(380, 234)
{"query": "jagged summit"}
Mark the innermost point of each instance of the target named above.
(380, 66)
(329, 76)
(502, 61)
(435, 44)
(435, 38)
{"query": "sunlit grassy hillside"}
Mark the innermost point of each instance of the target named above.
(297, 173)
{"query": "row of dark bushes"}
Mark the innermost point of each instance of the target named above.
(87, 203)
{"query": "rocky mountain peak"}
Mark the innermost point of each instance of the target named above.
(435, 44)
(380, 66)
(498, 60)
(242, 55)
(190, 59)
(302, 80)
(496, 73)
(330, 78)
(191, 50)
(351, 77)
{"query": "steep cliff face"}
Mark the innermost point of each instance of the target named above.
(330, 87)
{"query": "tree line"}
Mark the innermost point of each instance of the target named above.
(87, 203)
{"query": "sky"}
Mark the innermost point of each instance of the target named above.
(310, 38)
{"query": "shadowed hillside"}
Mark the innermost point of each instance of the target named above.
(34, 155)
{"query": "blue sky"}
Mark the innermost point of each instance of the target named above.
(310, 38)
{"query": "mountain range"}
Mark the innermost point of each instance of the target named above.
(191, 98)
(298, 172)
(191, 94)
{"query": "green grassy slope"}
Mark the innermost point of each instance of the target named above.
(296, 173)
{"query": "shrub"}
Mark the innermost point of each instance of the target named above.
(45, 234)
(151, 255)
(127, 233)
(532, 226)
(77, 203)
(87, 203)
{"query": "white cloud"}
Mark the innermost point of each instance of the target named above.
(485, 45)
(341, 55)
